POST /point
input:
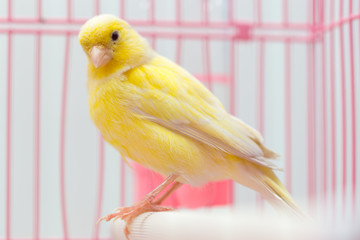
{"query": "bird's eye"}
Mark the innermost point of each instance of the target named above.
(115, 35)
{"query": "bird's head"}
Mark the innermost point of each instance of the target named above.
(111, 44)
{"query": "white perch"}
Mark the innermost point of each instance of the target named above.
(225, 224)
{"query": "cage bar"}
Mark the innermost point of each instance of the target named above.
(311, 136)
(68, 11)
(324, 125)
(63, 138)
(122, 182)
(287, 103)
(333, 110)
(206, 63)
(352, 109)
(100, 193)
(37, 129)
(8, 134)
(261, 101)
(343, 107)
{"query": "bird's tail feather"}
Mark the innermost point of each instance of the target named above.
(277, 195)
(264, 181)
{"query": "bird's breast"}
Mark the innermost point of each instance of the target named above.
(109, 111)
(148, 143)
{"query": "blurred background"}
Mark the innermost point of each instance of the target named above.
(289, 68)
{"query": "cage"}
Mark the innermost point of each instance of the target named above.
(289, 68)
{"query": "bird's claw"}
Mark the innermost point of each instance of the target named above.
(100, 220)
(117, 209)
(128, 214)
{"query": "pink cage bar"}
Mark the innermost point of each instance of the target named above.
(330, 34)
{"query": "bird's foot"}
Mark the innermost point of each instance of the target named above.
(128, 214)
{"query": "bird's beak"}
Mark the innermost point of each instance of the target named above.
(100, 55)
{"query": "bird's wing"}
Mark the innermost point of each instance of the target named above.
(185, 106)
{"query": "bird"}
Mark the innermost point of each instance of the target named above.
(159, 115)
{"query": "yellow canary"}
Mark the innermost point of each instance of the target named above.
(159, 115)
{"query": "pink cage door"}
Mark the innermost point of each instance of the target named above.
(289, 68)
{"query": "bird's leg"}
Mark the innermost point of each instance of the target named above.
(128, 214)
(174, 187)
